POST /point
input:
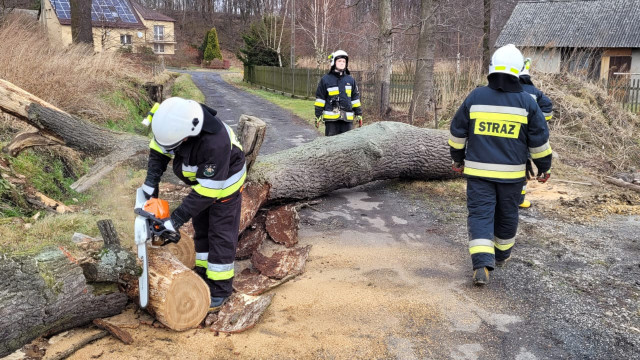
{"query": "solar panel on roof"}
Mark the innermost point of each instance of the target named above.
(101, 10)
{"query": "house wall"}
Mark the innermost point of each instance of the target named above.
(169, 35)
(543, 60)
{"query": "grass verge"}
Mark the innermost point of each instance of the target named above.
(185, 88)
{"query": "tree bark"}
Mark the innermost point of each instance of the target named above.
(48, 293)
(81, 27)
(383, 72)
(384, 150)
(486, 39)
(251, 132)
(422, 97)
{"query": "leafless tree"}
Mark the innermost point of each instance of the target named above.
(81, 27)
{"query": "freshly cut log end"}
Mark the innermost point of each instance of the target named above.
(186, 302)
(184, 250)
(178, 297)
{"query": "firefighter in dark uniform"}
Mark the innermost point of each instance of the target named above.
(547, 111)
(208, 157)
(337, 97)
(492, 134)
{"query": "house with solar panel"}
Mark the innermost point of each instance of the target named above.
(117, 24)
(600, 38)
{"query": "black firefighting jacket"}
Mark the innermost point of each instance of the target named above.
(337, 92)
(543, 101)
(496, 128)
(212, 163)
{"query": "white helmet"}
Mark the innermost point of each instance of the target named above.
(527, 66)
(337, 55)
(176, 119)
(507, 60)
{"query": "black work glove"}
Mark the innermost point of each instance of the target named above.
(530, 173)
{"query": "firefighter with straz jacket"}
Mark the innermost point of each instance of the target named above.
(492, 134)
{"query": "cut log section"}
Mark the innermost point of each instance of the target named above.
(282, 225)
(251, 239)
(184, 250)
(254, 196)
(241, 312)
(178, 297)
(251, 132)
(282, 263)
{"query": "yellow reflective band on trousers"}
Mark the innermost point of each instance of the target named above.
(504, 244)
(221, 189)
(220, 271)
(481, 246)
(201, 259)
(153, 145)
(496, 171)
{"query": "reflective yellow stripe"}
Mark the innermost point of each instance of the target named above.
(201, 263)
(331, 116)
(503, 247)
(542, 154)
(356, 105)
(153, 145)
(494, 174)
(513, 70)
(348, 93)
(498, 116)
(318, 104)
(331, 93)
(220, 193)
(548, 117)
(232, 137)
(456, 145)
(220, 275)
(481, 249)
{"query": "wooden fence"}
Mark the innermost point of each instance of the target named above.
(303, 83)
(627, 92)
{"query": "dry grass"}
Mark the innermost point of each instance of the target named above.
(589, 127)
(72, 78)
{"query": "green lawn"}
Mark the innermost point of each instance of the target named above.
(185, 88)
(302, 108)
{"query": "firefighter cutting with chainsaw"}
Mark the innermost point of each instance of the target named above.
(207, 156)
(337, 97)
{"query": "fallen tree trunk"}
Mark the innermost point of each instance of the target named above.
(48, 293)
(384, 150)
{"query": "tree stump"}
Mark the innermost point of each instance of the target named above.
(178, 297)
(184, 250)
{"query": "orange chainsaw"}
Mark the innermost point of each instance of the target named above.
(149, 226)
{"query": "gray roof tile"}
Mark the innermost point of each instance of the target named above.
(574, 23)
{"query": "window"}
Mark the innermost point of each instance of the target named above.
(125, 39)
(158, 48)
(158, 32)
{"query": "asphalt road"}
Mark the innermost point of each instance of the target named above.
(571, 292)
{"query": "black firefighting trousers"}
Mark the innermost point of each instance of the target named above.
(216, 241)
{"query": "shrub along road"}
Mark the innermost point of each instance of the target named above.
(389, 274)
